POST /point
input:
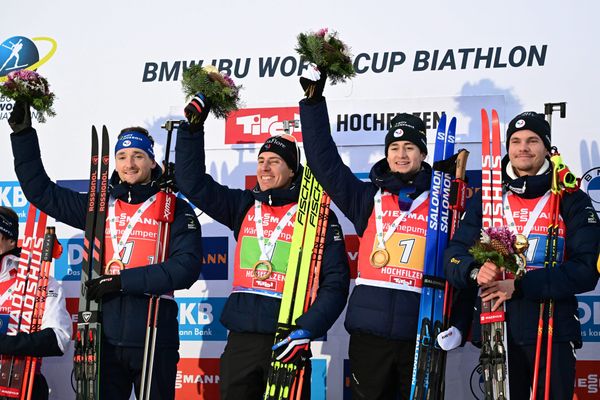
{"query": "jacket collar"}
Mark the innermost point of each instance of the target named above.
(382, 177)
(528, 187)
(137, 193)
(280, 197)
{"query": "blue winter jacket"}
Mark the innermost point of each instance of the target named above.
(247, 312)
(383, 312)
(577, 274)
(123, 314)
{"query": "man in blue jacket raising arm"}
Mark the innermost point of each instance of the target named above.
(389, 214)
(262, 222)
(124, 292)
(526, 176)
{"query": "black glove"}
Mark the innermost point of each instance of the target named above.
(167, 179)
(100, 287)
(196, 111)
(20, 117)
(313, 83)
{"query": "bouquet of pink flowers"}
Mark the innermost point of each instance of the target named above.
(219, 89)
(32, 88)
(498, 246)
(328, 53)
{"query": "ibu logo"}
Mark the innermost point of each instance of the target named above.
(199, 318)
(20, 52)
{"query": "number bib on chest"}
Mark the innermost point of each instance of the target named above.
(522, 211)
(141, 244)
(261, 269)
(405, 247)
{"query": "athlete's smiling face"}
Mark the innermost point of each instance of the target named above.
(404, 157)
(526, 152)
(134, 165)
(273, 172)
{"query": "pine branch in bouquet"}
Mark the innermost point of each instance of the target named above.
(219, 89)
(329, 53)
(32, 88)
(498, 246)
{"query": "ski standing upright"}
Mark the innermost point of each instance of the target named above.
(427, 376)
(86, 357)
(493, 358)
(286, 376)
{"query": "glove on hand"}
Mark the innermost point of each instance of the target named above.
(100, 287)
(167, 179)
(196, 111)
(293, 348)
(449, 339)
(313, 83)
(20, 117)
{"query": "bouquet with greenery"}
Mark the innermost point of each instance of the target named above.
(328, 53)
(219, 89)
(498, 246)
(32, 88)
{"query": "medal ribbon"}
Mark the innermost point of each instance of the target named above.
(266, 249)
(533, 216)
(381, 239)
(112, 222)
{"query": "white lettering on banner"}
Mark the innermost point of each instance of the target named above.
(257, 124)
(590, 383)
(75, 253)
(587, 313)
(204, 315)
(17, 200)
(269, 218)
(182, 378)
(196, 332)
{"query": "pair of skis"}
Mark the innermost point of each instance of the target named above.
(493, 357)
(28, 302)
(427, 375)
(86, 357)
(285, 380)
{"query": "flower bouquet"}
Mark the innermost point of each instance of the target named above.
(503, 248)
(328, 53)
(218, 88)
(32, 88)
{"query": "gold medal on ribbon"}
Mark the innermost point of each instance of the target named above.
(262, 274)
(521, 244)
(380, 258)
(114, 267)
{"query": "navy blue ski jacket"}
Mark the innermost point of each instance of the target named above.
(123, 314)
(577, 274)
(246, 312)
(383, 312)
